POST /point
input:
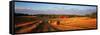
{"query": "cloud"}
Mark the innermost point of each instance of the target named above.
(26, 10)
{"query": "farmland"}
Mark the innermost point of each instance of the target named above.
(74, 23)
(29, 24)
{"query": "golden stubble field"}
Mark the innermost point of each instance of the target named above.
(73, 23)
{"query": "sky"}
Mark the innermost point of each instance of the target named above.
(89, 2)
(40, 8)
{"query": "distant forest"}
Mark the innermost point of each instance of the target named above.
(20, 14)
(88, 15)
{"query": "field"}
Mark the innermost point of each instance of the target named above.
(33, 24)
(74, 23)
